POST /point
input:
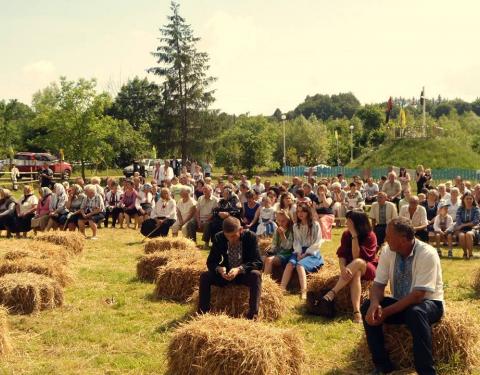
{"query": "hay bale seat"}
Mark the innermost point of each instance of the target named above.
(232, 300)
(177, 280)
(326, 278)
(454, 342)
(5, 345)
(168, 243)
(476, 281)
(217, 344)
(44, 267)
(148, 264)
(264, 244)
(73, 242)
(15, 249)
(26, 293)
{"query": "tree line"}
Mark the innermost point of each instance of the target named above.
(174, 116)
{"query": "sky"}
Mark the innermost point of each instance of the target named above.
(266, 54)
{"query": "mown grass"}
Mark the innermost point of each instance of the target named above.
(89, 335)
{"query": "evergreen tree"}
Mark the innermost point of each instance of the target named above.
(186, 82)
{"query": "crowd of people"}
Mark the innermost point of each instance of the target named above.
(386, 230)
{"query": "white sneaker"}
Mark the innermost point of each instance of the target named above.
(94, 238)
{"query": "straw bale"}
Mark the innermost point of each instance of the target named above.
(168, 243)
(25, 293)
(34, 249)
(232, 300)
(264, 244)
(148, 264)
(326, 278)
(177, 280)
(218, 345)
(5, 345)
(476, 281)
(454, 342)
(44, 267)
(74, 242)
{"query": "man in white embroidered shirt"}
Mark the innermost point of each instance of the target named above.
(415, 274)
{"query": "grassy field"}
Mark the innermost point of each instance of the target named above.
(89, 336)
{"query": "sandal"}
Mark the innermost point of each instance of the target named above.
(357, 317)
(331, 293)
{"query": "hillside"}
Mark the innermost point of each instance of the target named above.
(432, 153)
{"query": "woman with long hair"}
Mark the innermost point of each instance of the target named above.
(468, 216)
(404, 178)
(324, 210)
(306, 257)
(282, 242)
(357, 257)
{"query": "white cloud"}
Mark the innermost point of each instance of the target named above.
(39, 69)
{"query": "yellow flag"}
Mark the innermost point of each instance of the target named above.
(336, 135)
(403, 119)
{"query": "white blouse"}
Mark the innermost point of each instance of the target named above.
(313, 240)
(167, 209)
(26, 206)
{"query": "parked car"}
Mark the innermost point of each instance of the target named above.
(149, 165)
(30, 163)
(320, 166)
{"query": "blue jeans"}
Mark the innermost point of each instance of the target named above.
(418, 319)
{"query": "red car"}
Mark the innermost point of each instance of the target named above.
(30, 163)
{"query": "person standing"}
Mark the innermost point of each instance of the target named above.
(14, 176)
(166, 172)
(46, 176)
(413, 270)
(234, 259)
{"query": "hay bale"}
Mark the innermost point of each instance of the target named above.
(178, 280)
(14, 249)
(326, 278)
(5, 345)
(148, 264)
(73, 242)
(168, 243)
(44, 267)
(232, 300)
(264, 244)
(454, 342)
(218, 344)
(25, 293)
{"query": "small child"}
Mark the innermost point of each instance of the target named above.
(282, 243)
(443, 228)
(266, 218)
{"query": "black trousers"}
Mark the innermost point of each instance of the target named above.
(380, 231)
(418, 319)
(151, 225)
(253, 280)
(114, 214)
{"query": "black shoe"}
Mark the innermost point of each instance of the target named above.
(384, 370)
(326, 307)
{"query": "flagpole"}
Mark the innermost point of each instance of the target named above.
(424, 115)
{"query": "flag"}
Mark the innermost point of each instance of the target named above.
(336, 135)
(389, 109)
(422, 97)
(403, 119)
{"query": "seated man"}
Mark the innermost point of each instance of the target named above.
(381, 213)
(234, 258)
(418, 215)
(415, 274)
(203, 216)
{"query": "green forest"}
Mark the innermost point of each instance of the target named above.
(172, 113)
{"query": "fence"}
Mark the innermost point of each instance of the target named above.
(438, 174)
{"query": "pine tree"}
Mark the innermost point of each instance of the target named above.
(186, 82)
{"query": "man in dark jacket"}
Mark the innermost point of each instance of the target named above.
(234, 258)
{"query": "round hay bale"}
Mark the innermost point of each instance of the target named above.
(5, 345)
(25, 293)
(148, 264)
(39, 266)
(177, 280)
(264, 244)
(454, 342)
(326, 278)
(73, 242)
(168, 243)
(232, 300)
(217, 344)
(14, 249)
